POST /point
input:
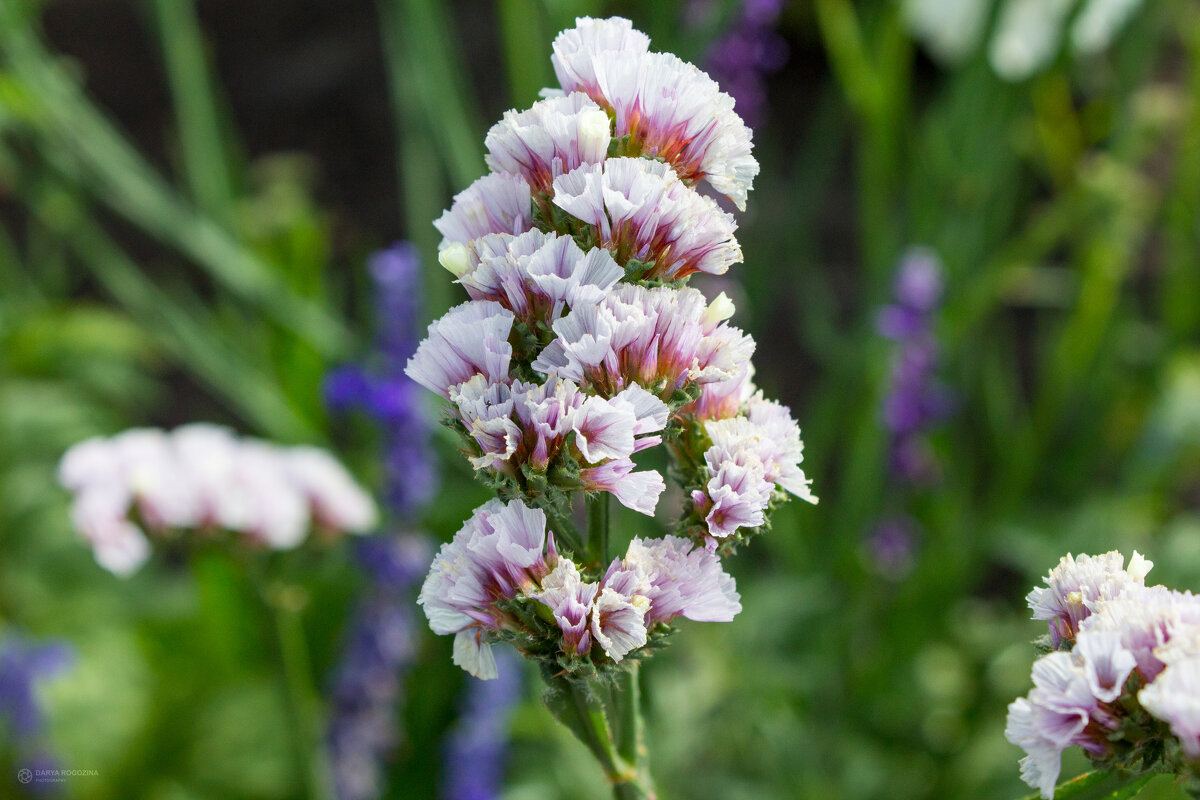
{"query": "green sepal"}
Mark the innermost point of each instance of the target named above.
(636, 270)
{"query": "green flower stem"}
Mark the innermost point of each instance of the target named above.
(874, 75)
(631, 737)
(286, 606)
(622, 756)
(565, 534)
(597, 542)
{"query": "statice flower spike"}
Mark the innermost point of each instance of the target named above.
(580, 51)
(534, 275)
(668, 108)
(1175, 697)
(750, 456)
(640, 209)
(678, 579)
(498, 553)
(579, 350)
(661, 339)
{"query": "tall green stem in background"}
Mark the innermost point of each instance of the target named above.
(205, 162)
(286, 605)
(80, 142)
(875, 78)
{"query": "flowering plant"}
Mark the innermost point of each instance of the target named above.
(581, 347)
(1120, 676)
(201, 479)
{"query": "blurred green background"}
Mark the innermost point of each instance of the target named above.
(189, 189)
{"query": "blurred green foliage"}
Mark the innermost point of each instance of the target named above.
(1066, 210)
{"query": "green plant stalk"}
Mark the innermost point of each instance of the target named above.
(421, 178)
(86, 149)
(302, 697)
(422, 29)
(876, 88)
(631, 737)
(189, 334)
(598, 529)
(524, 37)
(1181, 282)
(606, 717)
(205, 162)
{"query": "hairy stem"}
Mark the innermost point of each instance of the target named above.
(597, 543)
(628, 724)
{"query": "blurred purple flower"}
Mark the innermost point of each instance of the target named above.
(387, 395)
(476, 747)
(741, 58)
(22, 664)
(915, 399)
(914, 402)
(379, 649)
(380, 642)
(891, 548)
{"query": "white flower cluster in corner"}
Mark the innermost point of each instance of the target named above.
(1123, 679)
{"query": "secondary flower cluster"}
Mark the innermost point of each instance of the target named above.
(580, 348)
(202, 477)
(1122, 680)
(503, 577)
(1027, 34)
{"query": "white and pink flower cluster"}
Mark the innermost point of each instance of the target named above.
(527, 424)
(753, 455)
(580, 348)
(1128, 680)
(203, 478)
(504, 555)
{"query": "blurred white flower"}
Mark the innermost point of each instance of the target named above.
(202, 477)
(1027, 35)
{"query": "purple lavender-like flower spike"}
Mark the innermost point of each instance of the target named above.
(380, 637)
(379, 650)
(386, 394)
(22, 664)
(741, 58)
(914, 402)
(915, 399)
(475, 748)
